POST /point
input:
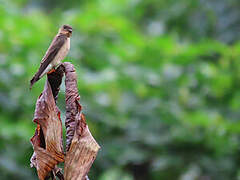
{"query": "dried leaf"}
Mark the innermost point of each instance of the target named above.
(81, 146)
(72, 98)
(55, 80)
(82, 152)
(47, 116)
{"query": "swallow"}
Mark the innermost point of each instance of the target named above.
(56, 52)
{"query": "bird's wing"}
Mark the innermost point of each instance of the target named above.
(52, 51)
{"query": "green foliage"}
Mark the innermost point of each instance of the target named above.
(158, 84)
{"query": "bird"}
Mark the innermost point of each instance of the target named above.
(56, 52)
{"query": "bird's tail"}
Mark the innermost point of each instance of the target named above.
(41, 72)
(33, 80)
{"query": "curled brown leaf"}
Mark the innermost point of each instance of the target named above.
(55, 80)
(48, 152)
(72, 105)
(81, 146)
(82, 152)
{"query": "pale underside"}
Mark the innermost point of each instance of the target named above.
(58, 58)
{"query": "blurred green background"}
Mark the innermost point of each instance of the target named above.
(159, 83)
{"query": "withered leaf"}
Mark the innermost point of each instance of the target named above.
(47, 116)
(72, 97)
(82, 152)
(55, 80)
(81, 146)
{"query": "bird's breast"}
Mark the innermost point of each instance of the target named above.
(62, 53)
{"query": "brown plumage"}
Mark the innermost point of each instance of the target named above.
(56, 52)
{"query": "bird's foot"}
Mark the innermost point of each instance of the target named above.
(51, 71)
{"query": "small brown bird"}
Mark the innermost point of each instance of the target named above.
(56, 52)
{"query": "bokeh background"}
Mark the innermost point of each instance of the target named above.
(159, 83)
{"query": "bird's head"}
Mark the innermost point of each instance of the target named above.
(66, 29)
